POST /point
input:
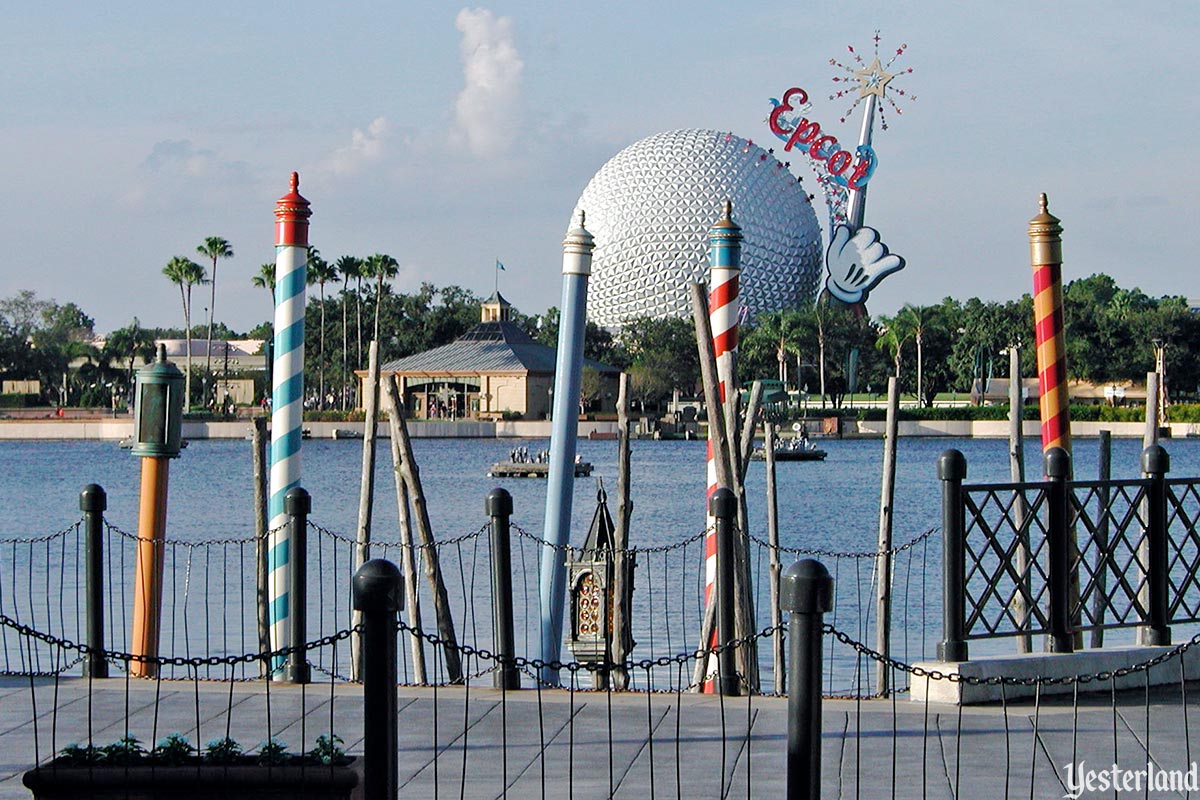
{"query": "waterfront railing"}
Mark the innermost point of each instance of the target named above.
(212, 599)
(1060, 557)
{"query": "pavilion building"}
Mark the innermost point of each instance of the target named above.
(493, 371)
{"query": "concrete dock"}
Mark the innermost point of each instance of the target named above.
(486, 744)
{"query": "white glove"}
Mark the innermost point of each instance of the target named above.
(857, 263)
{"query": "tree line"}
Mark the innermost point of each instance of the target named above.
(822, 349)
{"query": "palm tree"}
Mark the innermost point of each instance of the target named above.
(891, 340)
(380, 266)
(214, 247)
(320, 272)
(348, 267)
(126, 345)
(186, 273)
(265, 279)
(820, 313)
(915, 321)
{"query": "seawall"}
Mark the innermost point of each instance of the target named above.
(122, 428)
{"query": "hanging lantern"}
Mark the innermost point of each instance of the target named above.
(591, 571)
(158, 409)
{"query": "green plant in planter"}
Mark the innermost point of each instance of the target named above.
(222, 751)
(329, 750)
(126, 750)
(77, 754)
(273, 753)
(174, 749)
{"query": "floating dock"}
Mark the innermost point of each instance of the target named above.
(533, 469)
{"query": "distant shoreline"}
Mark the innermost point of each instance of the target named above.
(110, 429)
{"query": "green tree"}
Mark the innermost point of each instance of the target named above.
(213, 248)
(917, 322)
(765, 345)
(265, 279)
(348, 267)
(381, 267)
(890, 340)
(320, 272)
(185, 273)
(662, 356)
(126, 345)
(1099, 327)
(598, 343)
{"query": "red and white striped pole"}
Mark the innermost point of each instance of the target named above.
(724, 252)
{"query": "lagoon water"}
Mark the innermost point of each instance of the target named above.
(831, 505)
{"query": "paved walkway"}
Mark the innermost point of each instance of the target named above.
(480, 742)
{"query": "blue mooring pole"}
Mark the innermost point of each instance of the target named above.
(568, 371)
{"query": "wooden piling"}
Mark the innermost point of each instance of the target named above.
(1016, 466)
(724, 460)
(1149, 437)
(408, 562)
(883, 558)
(433, 569)
(258, 443)
(776, 567)
(1100, 592)
(621, 590)
(366, 492)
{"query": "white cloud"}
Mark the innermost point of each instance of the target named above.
(176, 173)
(487, 112)
(180, 157)
(365, 148)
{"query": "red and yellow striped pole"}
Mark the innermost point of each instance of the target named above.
(1045, 244)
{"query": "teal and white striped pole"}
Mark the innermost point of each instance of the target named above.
(564, 430)
(287, 401)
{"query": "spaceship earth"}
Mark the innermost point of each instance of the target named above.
(650, 209)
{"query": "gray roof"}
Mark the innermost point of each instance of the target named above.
(488, 347)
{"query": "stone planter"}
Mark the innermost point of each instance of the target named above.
(196, 781)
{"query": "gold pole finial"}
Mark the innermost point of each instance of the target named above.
(1045, 235)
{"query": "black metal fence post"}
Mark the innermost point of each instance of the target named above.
(952, 471)
(1057, 463)
(499, 506)
(723, 506)
(93, 502)
(378, 592)
(1156, 463)
(297, 504)
(806, 593)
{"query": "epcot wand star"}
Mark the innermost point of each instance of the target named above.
(857, 259)
(873, 81)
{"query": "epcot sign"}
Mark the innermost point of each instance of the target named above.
(820, 148)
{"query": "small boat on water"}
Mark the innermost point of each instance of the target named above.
(522, 464)
(792, 450)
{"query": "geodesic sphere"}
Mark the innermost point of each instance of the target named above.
(650, 209)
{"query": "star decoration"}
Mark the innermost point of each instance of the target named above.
(873, 79)
(876, 81)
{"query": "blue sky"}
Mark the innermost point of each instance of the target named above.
(452, 135)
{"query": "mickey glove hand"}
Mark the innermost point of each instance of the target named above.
(857, 263)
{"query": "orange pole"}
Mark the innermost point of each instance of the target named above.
(148, 577)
